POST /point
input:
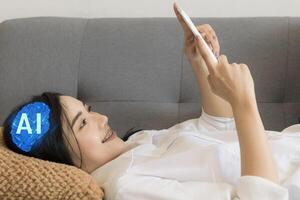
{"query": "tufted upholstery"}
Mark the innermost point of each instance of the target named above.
(134, 71)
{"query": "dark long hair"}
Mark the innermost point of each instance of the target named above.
(130, 132)
(52, 146)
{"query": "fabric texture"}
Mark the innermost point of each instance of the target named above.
(23, 177)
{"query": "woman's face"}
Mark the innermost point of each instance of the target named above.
(90, 129)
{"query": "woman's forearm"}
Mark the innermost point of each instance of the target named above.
(212, 104)
(256, 155)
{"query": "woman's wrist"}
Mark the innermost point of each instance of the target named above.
(245, 106)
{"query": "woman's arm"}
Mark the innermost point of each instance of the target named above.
(228, 90)
(234, 83)
(212, 104)
(256, 156)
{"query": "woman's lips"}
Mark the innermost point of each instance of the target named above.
(113, 135)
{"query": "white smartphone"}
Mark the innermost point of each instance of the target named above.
(195, 31)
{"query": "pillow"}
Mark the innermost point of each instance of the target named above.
(23, 177)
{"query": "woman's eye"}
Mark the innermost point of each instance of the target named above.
(84, 122)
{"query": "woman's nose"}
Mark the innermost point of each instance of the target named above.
(103, 119)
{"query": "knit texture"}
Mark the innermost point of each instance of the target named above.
(23, 177)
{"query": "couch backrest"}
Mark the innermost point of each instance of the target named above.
(134, 71)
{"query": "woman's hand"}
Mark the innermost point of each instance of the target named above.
(233, 82)
(190, 47)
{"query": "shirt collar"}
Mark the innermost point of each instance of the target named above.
(115, 166)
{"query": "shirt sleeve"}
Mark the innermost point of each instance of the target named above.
(255, 187)
(156, 188)
(208, 122)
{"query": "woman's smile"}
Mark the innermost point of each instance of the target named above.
(111, 134)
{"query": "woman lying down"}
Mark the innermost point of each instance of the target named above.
(224, 154)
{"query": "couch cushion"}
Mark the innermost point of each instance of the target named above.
(23, 177)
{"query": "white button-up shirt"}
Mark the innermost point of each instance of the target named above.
(198, 159)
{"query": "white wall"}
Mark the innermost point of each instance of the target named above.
(146, 8)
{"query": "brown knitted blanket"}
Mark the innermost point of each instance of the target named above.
(23, 177)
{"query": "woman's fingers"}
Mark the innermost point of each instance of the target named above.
(223, 60)
(205, 55)
(205, 30)
(210, 37)
(218, 48)
(215, 45)
(207, 40)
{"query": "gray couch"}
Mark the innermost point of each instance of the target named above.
(134, 71)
